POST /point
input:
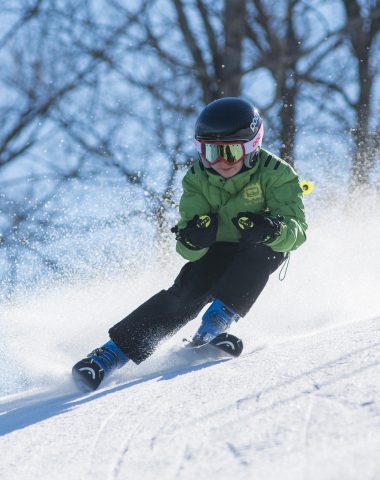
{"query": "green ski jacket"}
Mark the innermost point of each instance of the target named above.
(270, 187)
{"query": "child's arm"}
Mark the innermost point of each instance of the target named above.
(192, 202)
(285, 198)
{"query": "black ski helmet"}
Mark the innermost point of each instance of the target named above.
(228, 119)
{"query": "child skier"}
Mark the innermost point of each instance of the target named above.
(241, 212)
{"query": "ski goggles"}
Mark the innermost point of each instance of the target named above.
(228, 152)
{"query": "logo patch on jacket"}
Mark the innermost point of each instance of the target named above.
(253, 192)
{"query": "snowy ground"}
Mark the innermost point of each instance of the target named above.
(308, 408)
(302, 402)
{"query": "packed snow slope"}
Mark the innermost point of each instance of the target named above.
(306, 408)
(302, 402)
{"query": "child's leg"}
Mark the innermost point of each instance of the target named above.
(245, 278)
(138, 334)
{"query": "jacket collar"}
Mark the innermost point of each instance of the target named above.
(234, 184)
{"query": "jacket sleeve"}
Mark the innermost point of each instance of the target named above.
(192, 202)
(285, 197)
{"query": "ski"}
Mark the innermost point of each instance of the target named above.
(225, 342)
(87, 375)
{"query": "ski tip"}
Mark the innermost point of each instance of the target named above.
(225, 342)
(87, 375)
(229, 344)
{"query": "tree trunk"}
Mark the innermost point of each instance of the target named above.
(363, 29)
(234, 31)
(288, 129)
(363, 153)
(288, 89)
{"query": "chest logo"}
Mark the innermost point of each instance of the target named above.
(253, 192)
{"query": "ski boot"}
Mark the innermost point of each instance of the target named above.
(90, 372)
(216, 320)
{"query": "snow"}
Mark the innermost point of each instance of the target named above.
(302, 402)
(304, 408)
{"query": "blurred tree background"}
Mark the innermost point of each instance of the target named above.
(98, 101)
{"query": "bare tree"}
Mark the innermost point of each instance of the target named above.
(104, 100)
(363, 33)
(350, 61)
(46, 76)
(208, 50)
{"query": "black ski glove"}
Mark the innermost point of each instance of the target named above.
(200, 232)
(256, 228)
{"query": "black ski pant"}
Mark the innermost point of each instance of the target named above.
(235, 273)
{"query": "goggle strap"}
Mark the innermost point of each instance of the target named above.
(251, 146)
(198, 146)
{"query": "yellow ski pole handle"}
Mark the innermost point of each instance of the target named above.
(307, 187)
